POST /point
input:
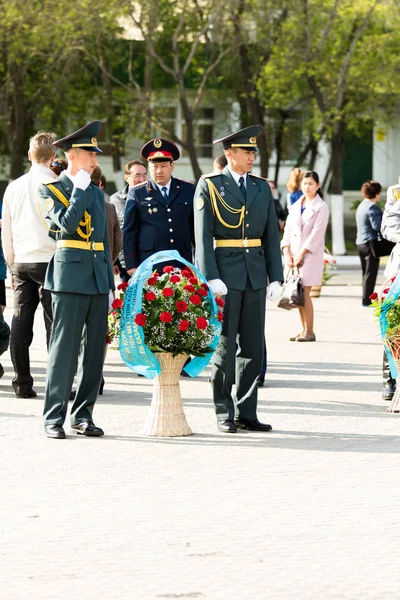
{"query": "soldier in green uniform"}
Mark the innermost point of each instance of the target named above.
(238, 251)
(79, 277)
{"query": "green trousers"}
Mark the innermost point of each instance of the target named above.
(79, 330)
(239, 354)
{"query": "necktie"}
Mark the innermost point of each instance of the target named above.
(164, 192)
(242, 187)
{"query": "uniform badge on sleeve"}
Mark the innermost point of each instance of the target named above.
(48, 204)
(199, 203)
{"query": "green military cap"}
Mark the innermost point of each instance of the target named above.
(85, 138)
(244, 138)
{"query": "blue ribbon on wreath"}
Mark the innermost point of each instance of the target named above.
(133, 349)
(391, 297)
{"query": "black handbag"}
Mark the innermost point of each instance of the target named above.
(381, 247)
(292, 295)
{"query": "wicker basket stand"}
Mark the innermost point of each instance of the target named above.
(166, 417)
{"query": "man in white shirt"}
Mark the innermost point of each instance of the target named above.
(27, 250)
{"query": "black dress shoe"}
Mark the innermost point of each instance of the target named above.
(227, 426)
(388, 391)
(252, 425)
(30, 394)
(55, 431)
(87, 428)
(260, 382)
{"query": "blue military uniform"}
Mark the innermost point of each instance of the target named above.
(153, 223)
(237, 241)
(79, 277)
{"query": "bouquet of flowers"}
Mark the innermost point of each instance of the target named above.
(329, 266)
(114, 317)
(387, 310)
(176, 313)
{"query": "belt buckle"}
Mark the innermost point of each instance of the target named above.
(93, 245)
(245, 243)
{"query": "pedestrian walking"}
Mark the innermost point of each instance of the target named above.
(303, 246)
(79, 277)
(368, 219)
(27, 250)
(235, 211)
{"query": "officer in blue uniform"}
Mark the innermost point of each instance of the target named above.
(159, 212)
(79, 277)
(238, 251)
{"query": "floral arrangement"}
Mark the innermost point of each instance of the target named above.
(114, 318)
(177, 313)
(329, 266)
(392, 313)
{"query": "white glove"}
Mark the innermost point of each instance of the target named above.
(274, 291)
(218, 287)
(82, 179)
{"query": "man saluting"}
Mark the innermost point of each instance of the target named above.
(79, 277)
(234, 211)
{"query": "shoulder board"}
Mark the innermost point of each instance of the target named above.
(139, 185)
(257, 176)
(52, 182)
(209, 175)
(185, 181)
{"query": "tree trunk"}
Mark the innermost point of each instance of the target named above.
(283, 115)
(190, 143)
(17, 127)
(336, 191)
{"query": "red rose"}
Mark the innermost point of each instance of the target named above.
(186, 273)
(168, 269)
(202, 292)
(195, 299)
(189, 288)
(156, 274)
(220, 316)
(167, 292)
(386, 291)
(174, 279)
(183, 325)
(117, 303)
(181, 306)
(166, 317)
(393, 279)
(152, 280)
(373, 296)
(123, 285)
(201, 323)
(220, 302)
(204, 286)
(193, 280)
(140, 319)
(150, 296)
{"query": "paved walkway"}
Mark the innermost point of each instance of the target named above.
(306, 512)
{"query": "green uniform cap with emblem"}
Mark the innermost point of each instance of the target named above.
(244, 138)
(85, 138)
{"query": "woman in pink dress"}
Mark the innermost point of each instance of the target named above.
(303, 246)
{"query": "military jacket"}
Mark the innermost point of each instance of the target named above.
(152, 224)
(234, 265)
(71, 269)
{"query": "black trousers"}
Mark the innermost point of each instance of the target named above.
(369, 266)
(28, 292)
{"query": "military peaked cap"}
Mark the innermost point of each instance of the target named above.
(159, 150)
(85, 138)
(244, 138)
